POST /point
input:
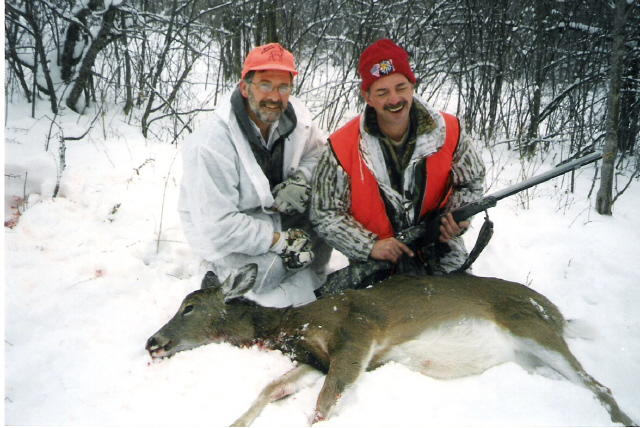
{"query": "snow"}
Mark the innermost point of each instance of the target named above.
(87, 282)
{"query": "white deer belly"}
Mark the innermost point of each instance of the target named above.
(454, 349)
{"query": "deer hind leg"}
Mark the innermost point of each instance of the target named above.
(564, 362)
(292, 382)
(347, 364)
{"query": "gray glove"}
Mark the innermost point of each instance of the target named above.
(292, 195)
(294, 246)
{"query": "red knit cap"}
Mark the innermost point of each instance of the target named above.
(381, 59)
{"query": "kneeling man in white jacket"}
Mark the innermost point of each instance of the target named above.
(245, 188)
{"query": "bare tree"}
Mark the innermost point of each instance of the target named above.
(76, 36)
(13, 33)
(105, 35)
(34, 14)
(605, 193)
(530, 74)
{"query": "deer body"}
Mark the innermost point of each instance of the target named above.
(443, 327)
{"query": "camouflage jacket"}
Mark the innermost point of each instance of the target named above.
(330, 202)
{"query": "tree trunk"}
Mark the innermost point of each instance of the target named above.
(128, 83)
(630, 97)
(605, 193)
(73, 36)
(153, 85)
(531, 138)
(11, 35)
(495, 96)
(272, 23)
(40, 55)
(83, 79)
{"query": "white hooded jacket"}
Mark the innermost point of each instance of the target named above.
(225, 198)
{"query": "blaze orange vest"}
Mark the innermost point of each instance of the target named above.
(367, 206)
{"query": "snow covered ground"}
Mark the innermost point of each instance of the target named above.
(87, 282)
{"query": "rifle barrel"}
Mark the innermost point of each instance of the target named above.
(558, 170)
(353, 275)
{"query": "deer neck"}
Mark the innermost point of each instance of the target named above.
(268, 322)
(274, 328)
(249, 323)
(274, 331)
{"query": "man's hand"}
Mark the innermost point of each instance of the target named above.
(292, 195)
(294, 246)
(450, 229)
(390, 249)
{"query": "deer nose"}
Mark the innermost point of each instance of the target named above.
(152, 344)
(160, 347)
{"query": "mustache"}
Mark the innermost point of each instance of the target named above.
(395, 106)
(271, 104)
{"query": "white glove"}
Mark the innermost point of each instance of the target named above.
(294, 246)
(292, 195)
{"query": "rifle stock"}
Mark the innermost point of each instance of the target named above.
(430, 230)
(354, 274)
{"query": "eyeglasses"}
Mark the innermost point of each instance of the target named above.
(267, 88)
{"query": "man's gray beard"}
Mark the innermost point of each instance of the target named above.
(266, 117)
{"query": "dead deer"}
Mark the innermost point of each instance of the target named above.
(441, 326)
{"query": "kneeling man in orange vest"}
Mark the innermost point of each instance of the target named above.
(391, 167)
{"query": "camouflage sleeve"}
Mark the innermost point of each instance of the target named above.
(330, 206)
(467, 172)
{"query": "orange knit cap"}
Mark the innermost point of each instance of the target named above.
(269, 57)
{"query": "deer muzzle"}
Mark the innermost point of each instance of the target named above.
(159, 347)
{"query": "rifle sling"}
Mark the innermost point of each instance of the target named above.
(486, 232)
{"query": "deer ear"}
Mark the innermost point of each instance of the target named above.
(210, 280)
(239, 283)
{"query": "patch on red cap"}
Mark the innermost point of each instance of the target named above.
(383, 68)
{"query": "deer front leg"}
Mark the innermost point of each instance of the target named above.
(347, 364)
(284, 386)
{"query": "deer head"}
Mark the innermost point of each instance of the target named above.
(208, 315)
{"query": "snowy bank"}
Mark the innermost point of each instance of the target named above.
(91, 274)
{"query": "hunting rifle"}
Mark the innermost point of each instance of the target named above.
(353, 275)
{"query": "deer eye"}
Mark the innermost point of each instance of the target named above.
(187, 309)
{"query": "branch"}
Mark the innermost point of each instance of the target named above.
(624, 189)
